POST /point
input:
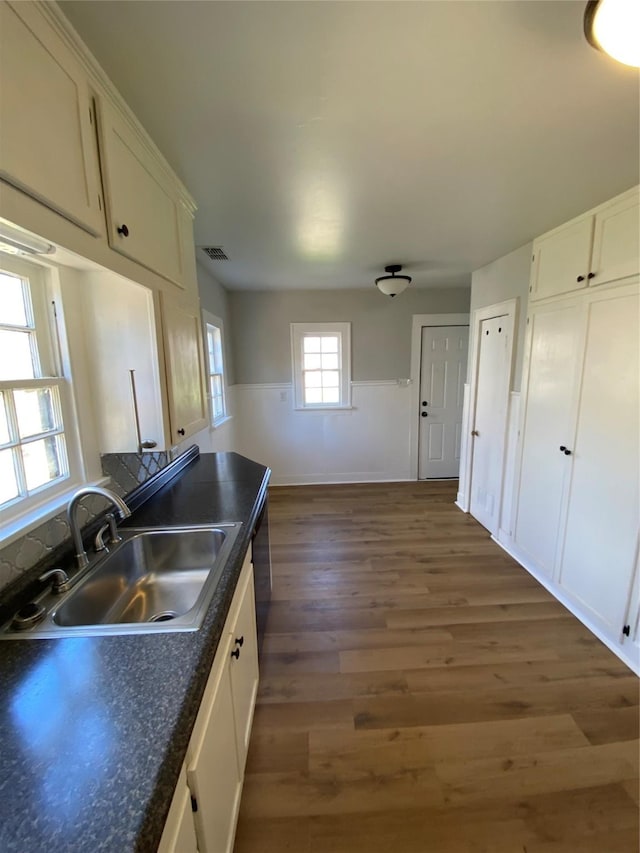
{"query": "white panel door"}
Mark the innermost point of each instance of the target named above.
(244, 669)
(555, 352)
(602, 522)
(443, 372)
(490, 420)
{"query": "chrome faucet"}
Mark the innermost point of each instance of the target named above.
(72, 517)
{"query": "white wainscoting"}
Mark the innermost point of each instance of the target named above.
(366, 443)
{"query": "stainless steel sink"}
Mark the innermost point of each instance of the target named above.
(154, 580)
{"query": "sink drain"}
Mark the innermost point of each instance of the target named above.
(165, 616)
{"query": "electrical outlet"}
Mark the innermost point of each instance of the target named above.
(283, 396)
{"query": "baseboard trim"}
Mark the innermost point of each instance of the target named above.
(328, 481)
(556, 591)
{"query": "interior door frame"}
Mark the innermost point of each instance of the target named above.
(418, 321)
(507, 308)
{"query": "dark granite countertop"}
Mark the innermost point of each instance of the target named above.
(93, 730)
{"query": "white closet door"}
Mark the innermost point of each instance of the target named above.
(489, 427)
(556, 341)
(602, 522)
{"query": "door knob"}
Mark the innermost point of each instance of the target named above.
(424, 414)
(123, 230)
(474, 432)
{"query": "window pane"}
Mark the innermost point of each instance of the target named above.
(311, 344)
(330, 361)
(35, 410)
(329, 344)
(214, 339)
(313, 379)
(43, 461)
(8, 479)
(5, 436)
(330, 395)
(312, 361)
(330, 379)
(217, 405)
(13, 311)
(16, 361)
(313, 395)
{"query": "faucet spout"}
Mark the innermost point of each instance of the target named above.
(72, 517)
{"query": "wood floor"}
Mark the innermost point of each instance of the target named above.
(421, 693)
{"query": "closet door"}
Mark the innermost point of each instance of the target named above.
(555, 352)
(602, 522)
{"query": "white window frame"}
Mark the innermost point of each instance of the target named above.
(299, 331)
(209, 319)
(27, 507)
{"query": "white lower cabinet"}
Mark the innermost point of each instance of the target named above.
(214, 764)
(578, 493)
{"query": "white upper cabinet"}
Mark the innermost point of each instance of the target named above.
(143, 214)
(48, 142)
(600, 247)
(616, 241)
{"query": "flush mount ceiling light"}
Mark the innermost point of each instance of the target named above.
(392, 285)
(613, 27)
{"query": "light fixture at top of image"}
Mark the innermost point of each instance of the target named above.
(393, 284)
(613, 26)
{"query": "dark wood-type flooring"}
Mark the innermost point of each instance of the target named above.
(420, 692)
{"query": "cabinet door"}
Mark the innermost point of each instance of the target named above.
(561, 260)
(184, 360)
(212, 768)
(48, 141)
(142, 211)
(616, 241)
(602, 522)
(555, 352)
(179, 834)
(244, 669)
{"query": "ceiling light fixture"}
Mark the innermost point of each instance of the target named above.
(392, 285)
(613, 26)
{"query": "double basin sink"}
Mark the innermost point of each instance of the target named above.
(153, 580)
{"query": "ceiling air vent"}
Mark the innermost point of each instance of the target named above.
(216, 253)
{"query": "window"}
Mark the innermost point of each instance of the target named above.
(321, 365)
(213, 330)
(33, 446)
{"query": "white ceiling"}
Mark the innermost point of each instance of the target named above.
(323, 140)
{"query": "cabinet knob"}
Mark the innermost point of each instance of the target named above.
(565, 450)
(123, 230)
(591, 275)
(240, 642)
(235, 653)
(474, 432)
(180, 431)
(580, 278)
(424, 403)
(424, 414)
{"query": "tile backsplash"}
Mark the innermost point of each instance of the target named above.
(127, 470)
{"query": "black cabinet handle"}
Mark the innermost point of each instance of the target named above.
(580, 278)
(235, 653)
(180, 431)
(591, 275)
(123, 230)
(240, 642)
(424, 414)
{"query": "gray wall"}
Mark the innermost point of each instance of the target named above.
(215, 299)
(506, 278)
(380, 327)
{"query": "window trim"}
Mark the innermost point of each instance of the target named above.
(340, 330)
(209, 319)
(45, 299)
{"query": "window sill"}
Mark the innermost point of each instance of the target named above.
(221, 422)
(32, 518)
